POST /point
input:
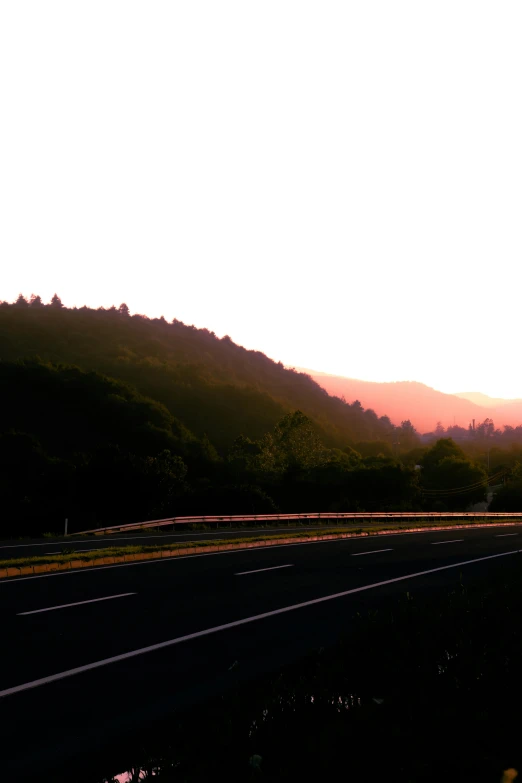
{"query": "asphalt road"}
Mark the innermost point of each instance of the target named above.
(90, 655)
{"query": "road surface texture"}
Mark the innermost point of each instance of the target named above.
(93, 654)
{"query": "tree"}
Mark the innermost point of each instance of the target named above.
(413, 457)
(445, 447)
(346, 457)
(123, 309)
(439, 430)
(486, 429)
(458, 482)
(242, 454)
(407, 435)
(449, 477)
(457, 432)
(374, 448)
(293, 444)
(21, 301)
(56, 302)
(163, 481)
(35, 301)
(508, 498)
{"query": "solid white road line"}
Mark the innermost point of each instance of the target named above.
(373, 552)
(187, 536)
(451, 541)
(236, 624)
(76, 603)
(505, 535)
(258, 570)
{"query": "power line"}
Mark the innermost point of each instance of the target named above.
(468, 488)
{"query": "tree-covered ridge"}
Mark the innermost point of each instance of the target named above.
(212, 385)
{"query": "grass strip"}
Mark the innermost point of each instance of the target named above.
(118, 551)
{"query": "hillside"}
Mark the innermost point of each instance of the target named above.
(423, 405)
(212, 386)
(483, 399)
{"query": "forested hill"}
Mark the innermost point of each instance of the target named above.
(213, 386)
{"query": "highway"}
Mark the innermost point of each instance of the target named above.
(92, 655)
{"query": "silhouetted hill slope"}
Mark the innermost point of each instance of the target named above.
(423, 405)
(483, 399)
(509, 413)
(211, 385)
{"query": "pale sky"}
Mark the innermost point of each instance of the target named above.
(336, 184)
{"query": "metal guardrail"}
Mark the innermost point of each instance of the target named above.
(253, 518)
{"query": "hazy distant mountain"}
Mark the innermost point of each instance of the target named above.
(482, 399)
(421, 404)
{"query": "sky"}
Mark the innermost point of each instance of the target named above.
(336, 184)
